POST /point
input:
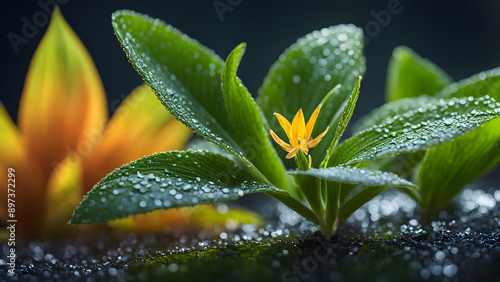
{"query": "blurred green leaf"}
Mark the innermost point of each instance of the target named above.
(166, 180)
(247, 122)
(306, 72)
(410, 75)
(418, 129)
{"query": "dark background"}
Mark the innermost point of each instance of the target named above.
(462, 37)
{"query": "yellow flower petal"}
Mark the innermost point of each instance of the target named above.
(315, 141)
(298, 128)
(63, 195)
(293, 152)
(140, 126)
(63, 102)
(311, 122)
(280, 142)
(285, 124)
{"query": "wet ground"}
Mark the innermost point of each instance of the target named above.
(383, 241)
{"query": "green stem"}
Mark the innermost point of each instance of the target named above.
(332, 203)
(310, 186)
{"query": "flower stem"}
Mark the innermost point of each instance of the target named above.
(310, 186)
(332, 202)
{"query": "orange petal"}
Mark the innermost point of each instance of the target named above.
(280, 142)
(63, 101)
(140, 126)
(12, 153)
(11, 148)
(311, 122)
(293, 152)
(63, 195)
(315, 141)
(285, 124)
(25, 182)
(298, 128)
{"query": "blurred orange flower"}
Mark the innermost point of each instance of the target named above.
(64, 144)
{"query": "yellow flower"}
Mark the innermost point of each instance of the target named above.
(298, 133)
(63, 146)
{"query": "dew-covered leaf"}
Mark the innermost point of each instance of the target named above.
(166, 180)
(247, 122)
(446, 169)
(417, 129)
(478, 85)
(353, 175)
(388, 110)
(185, 75)
(410, 75)
(345, 117)
(306, 72)
(204, 145)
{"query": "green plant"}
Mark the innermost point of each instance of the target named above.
(443, 171)
(187, 78)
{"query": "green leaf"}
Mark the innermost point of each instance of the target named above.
(344, 120)
(185, 75)
(247, 122)
(166, 180)
(309, 186)
(481, 84)
(306, 72)
(376, 181)
(446, 169)
(416, 130)
(204, 145)
(295, 205)
(353, 175)
(358, 200)
(410, 75)
(388, 110)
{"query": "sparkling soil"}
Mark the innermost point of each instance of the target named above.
(383, 241)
